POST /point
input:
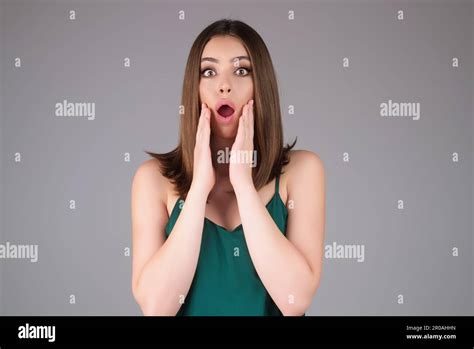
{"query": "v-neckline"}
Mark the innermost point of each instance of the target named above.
(239, 227)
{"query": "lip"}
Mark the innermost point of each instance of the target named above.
(220, 118)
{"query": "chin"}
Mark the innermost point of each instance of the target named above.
(224, 132)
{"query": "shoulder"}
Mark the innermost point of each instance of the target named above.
(304, 173)
(304, 166)
(149, 179)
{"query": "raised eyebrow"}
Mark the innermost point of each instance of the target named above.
(214, 60)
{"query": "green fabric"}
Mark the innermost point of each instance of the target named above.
(226, 282)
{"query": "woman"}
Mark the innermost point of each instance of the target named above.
(213, 235)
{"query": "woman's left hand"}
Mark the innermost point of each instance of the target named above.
(242, 158)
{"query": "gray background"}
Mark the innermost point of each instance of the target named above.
(81, 251)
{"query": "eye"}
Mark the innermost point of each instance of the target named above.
(248, 70)
(204, 72)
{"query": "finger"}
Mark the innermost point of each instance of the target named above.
(208, 112)
(247, 120)
(207, 119)
(250, 131)
(240, 128)
(245, 117)
(251, 120)
(200, 121)
(207, 123)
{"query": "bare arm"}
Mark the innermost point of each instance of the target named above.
(289, 267)
(162, 281)
(163, 269)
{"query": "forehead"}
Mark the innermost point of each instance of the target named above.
(224, 47)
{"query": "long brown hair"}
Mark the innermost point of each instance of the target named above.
(177, 165)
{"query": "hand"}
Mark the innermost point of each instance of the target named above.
(204, 176)
(242, 154)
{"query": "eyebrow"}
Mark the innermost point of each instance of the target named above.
(210, 59)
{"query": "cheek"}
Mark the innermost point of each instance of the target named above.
(246, 87)
(205, 88)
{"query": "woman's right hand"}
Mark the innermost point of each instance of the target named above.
(204, 176)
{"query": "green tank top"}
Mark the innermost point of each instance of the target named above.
(226, 282)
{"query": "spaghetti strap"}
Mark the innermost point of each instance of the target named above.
(277, 184)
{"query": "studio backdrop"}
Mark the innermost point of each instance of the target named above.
(382, 91)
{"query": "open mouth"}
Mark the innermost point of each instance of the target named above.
(225, 111)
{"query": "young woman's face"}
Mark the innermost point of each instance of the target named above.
(225, 75)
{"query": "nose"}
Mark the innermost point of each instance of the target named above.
(225, 89)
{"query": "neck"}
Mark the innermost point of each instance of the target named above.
(217, 145)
